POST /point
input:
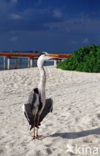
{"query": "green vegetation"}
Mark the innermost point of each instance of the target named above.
(86, 59)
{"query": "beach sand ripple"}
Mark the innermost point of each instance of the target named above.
(75, 119)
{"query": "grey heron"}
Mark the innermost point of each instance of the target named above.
(38, 106)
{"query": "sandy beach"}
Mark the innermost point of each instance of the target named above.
(74, 122)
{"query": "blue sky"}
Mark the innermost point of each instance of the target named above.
(49, 25)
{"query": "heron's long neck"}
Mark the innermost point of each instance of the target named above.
(42, 83)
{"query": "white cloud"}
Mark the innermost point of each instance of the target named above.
(85, 41)
(57, 13)
(14, 1)
(15, 16)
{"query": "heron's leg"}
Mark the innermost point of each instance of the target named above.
(37, 136)
(34, 129)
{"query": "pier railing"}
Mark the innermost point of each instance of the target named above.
(31, 57)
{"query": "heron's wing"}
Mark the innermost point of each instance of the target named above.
(28, 113)
(48, 108)
(33, 102)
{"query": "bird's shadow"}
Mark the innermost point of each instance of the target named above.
(75, 135)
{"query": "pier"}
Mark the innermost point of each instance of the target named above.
(31, 56)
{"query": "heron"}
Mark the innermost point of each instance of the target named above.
(38, 106)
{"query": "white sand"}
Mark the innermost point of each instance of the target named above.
(75, 119)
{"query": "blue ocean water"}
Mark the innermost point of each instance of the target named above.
(21, 63)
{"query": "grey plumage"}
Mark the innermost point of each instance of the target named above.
(34, 105)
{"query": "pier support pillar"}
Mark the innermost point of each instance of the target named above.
(31, 62)
(55, 62)
(28, 62)
(16, 63)
(8, 63)
(4, 62)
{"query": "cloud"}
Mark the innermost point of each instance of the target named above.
(43, 19)
(13, 1)
(15, 16)
(65, 30)
(57, 13)
(29, 20)
(85, 41)
(78, 26)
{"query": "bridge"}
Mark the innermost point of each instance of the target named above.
(31, 57)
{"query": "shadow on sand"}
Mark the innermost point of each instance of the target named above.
(74, 135)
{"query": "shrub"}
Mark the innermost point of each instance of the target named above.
(86, 59)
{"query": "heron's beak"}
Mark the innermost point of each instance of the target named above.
(53, 56)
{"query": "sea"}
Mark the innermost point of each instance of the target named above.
(21, 63)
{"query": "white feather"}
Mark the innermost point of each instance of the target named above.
(23, 108)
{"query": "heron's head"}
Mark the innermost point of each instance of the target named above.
(44, 57)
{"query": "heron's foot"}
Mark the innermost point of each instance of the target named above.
(33, 137)
(38, 136)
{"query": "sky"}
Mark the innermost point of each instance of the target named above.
(49, 25)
